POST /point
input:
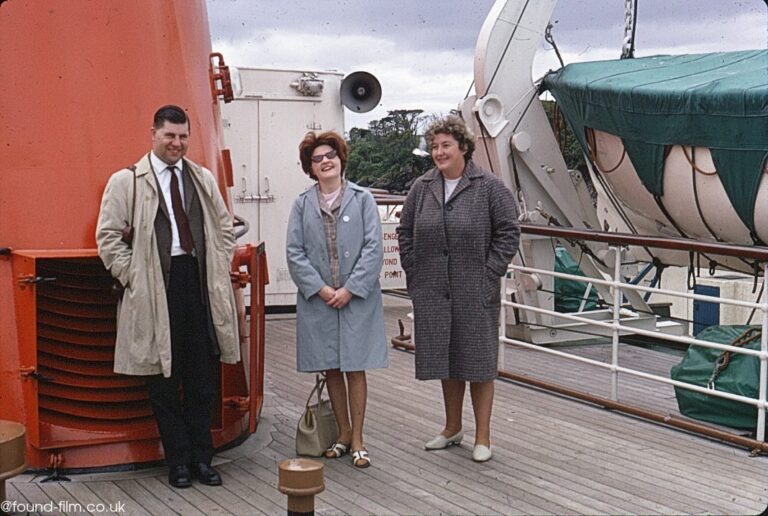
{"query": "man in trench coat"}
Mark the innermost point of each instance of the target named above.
(177, 312)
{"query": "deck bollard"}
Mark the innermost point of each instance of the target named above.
(301, 480)
(12, 446)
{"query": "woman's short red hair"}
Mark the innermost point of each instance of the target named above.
(311, 141)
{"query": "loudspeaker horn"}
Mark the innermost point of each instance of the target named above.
(360, 92)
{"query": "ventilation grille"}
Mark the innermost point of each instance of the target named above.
(78, 392)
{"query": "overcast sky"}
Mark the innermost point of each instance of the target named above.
(422, 51)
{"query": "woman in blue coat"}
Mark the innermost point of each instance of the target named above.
(334, 250)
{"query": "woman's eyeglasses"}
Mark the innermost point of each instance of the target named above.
(319, 158)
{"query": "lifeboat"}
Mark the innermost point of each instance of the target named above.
(677, 143)
(81, 81)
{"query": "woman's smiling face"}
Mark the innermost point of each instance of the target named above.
(447, 155)
(328, 168)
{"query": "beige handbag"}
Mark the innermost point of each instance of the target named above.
(317, 427)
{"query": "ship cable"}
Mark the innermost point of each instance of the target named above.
(630, 23)
(549, 38)
(506, 47)
(695, 168)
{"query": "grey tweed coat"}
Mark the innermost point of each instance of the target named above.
(454, 255)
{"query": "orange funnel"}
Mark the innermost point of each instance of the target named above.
(80, 83)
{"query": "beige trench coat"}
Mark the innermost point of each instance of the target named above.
(143, 344)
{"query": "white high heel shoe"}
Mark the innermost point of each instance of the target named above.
(441, 442)
(481, 453)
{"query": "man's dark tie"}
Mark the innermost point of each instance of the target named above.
(182, 222)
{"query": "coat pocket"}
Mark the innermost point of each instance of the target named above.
(411, 284)
(491, 289)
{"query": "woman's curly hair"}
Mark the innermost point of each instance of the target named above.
(312, 141)
(454, 126)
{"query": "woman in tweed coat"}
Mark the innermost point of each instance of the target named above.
(458, 232)
(334, 251)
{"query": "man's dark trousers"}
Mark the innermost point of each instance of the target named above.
(185, 425)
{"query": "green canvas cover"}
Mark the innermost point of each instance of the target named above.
(569, 293)
(717, 100)
(741, 377)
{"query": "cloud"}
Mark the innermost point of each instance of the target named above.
(423, 55)
(742, 31)
(425, 25)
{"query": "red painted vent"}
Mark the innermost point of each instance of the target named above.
(78, 394)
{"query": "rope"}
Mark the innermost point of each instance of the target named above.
(696, 199)
(751, 335)
(592, 149)
(615, 203)
(694, 169)
(692, 160)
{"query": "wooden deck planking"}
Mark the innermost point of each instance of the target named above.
(41, 494)
(177, 500)
(110, 492)
(439, 411)
(413, 446)
(141, 497)
(629, 419)
(85, 496)
(552, 455)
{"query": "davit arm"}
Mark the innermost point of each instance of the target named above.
(516, 140)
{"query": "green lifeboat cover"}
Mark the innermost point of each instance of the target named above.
(717, 100)
(741, 377)
(569, 293)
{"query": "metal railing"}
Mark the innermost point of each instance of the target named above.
(618, 286)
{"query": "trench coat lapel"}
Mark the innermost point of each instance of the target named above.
(144, 172)
(151, 178)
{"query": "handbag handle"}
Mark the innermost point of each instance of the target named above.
(319, 386)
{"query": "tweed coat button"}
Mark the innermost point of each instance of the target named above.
(447, 296)
(346, 254)
(445, 252)
(449, 207)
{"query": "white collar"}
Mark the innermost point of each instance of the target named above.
(159, 166)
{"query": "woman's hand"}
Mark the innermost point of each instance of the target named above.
(326, 293)
(340, 298)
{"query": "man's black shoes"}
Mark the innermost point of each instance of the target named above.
(180, 477)
(206, 474)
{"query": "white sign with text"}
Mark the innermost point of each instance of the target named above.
(392, 274)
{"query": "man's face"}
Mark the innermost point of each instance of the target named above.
(170, 142)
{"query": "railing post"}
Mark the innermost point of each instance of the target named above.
(502, 320)
(760, 434)
(616, 322)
